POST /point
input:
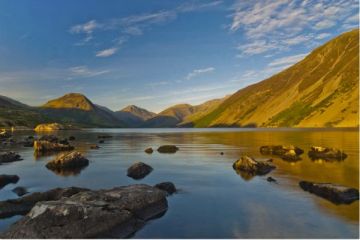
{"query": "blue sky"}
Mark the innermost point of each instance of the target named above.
(156, 53)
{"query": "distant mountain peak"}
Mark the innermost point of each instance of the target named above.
(71, 101)
(137, 112)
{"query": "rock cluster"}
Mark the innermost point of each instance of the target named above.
(42, 146)
(326, 153)
(48, 127)
(289, 153)
(71, 160)
(111, 213)
(9, 157)
(251, 166)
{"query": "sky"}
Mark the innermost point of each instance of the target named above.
(155, 54)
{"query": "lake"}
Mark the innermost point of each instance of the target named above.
(213, 200)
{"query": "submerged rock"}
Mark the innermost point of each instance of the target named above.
(9, 157)
(23, 205)
(20, 191)
(72, 160)
(168, 187)
(326, 153)
(104, 136)
(94, 146)
(252, 167)
(149, 150)
(48, 127)
(7, 179)
(112, 213)
(289, 153)
(270, 179)
(47, 146)
(139, 170)
(168, 149)
(333, 192)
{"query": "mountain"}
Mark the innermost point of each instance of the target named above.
(134, 116)
(14, 113)
(181, 115)
(319, 91)
(76, 109)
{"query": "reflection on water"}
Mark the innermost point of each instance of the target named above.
(214, 201)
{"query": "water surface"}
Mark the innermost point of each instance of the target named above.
(213, 201)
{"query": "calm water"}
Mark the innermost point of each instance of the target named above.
(214, 202)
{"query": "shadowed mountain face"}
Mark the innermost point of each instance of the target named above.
(319, 91)
(14, 113)
(76, 109)
(134, 116)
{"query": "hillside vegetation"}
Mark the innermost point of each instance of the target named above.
(319, 91)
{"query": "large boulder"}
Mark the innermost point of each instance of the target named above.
(289, 153)
(20, 191)
(49, 127)
(335, 193)
(71, 160)
(113, 213)
(46, 147)
(9, 157)
(139, 170)
(252, 167)
(6, 179)
(326, 153)
(168, 149)
(23, 205)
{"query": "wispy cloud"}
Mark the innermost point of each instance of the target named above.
(289, 60)
(197, 72)
(134, 25)
(322, 36)
(272, 26)
(84, 71)
(106, 52)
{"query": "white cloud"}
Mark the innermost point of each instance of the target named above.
(324, 24)
(257, 47)
(287, 60)
(106, 52)
(87, 27)
(322, 36)
(197, 72)
(297, 40)
(84, 71)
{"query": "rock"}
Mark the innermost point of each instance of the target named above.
(139, 170)
(168, 149)
(72, 138)
(49, 138)
(20, 191)
(252, 167)
(335, 193)
(48, 127)
(112, 213)
(270, 179)
(326, 153)
(23, 205)
(149, 150)
(94, 146)
(101, 141)
(289, 153)
(28, 143)
(46, 146)
(104, 136)
(221, 153)
(72, 160)
(6, 179)
(168, 187)
(5, 134)
(64, 141)
(9, 157)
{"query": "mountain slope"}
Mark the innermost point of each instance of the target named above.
(14, 113)
(75, 108)
(319, 91)
(134, 116)
(182, 115)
